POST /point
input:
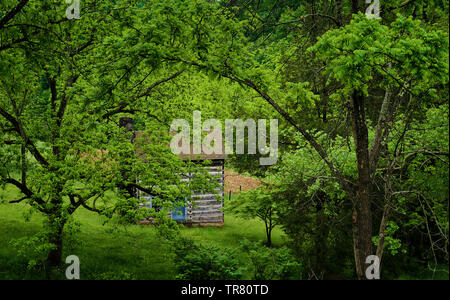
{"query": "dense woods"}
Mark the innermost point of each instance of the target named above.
(362, 105)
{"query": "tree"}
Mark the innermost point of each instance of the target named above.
(257, 204)
(354, 65)
(74, 153)
(398, 63)
(365, 58)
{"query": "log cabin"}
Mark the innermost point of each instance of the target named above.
(205, 209)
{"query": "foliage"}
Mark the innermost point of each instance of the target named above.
(116, 276)
(60, 107)
(272, 263)
(198, 262)
(363, 129)
(358, 52)
(258, 204)
(136, 250)
(34, 249)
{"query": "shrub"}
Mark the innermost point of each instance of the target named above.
(116, 276)
(197, 262)
(272, 263)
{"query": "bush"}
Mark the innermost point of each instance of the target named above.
(116, 276)
(271, 263)
(197, 262)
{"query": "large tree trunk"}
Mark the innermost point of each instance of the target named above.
(321, 241)
(54, 258)
(362, 214)
(56, 223)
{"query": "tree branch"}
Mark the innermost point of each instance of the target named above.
(10, 45)
(381, 131)
(18, 128)
(24, 190)
(154, 85)
(336, 21)
(311, 140)
(12, 13)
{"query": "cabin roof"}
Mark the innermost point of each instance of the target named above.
(194, 157)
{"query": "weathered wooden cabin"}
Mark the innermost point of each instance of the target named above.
(203, 210)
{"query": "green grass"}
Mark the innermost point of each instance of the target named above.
(132, 253)
(136, 252)
(441, 273)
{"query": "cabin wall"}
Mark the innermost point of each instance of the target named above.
(206, 209)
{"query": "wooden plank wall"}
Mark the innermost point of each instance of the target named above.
(205, 209)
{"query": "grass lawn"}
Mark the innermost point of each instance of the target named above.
(134, 253)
